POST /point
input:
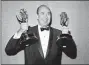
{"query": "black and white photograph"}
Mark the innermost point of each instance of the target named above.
(45, 32)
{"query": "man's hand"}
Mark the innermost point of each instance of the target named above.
(22, 18)
(65, 30)
(23, 28)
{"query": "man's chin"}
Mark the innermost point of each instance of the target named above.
(44, 26)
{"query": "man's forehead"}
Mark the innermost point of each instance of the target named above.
(44, 8)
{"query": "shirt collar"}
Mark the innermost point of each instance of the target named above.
(39, 27)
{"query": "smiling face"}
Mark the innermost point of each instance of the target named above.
(44, 16)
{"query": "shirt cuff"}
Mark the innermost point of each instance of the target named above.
(16, 36)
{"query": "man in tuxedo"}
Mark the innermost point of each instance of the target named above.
(47, 44)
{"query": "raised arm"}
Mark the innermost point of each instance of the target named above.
(13, 46)
(68, 45)
(15, 43)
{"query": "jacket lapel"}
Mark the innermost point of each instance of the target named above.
(36, 32)
(49, 43)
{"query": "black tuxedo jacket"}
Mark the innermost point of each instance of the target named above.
(34, 53)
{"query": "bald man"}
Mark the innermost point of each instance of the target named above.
(50, 42)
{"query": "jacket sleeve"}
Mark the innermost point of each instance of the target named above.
(13, 46)
(16, 45)
(68, 45)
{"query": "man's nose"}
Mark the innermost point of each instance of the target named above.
(46, 15)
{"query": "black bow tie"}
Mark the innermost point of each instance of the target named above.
(42, 29)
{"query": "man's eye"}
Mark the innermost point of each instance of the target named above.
(48, 13)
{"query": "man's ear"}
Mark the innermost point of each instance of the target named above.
(37, 16)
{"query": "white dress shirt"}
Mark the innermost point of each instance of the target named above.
(44, 39)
